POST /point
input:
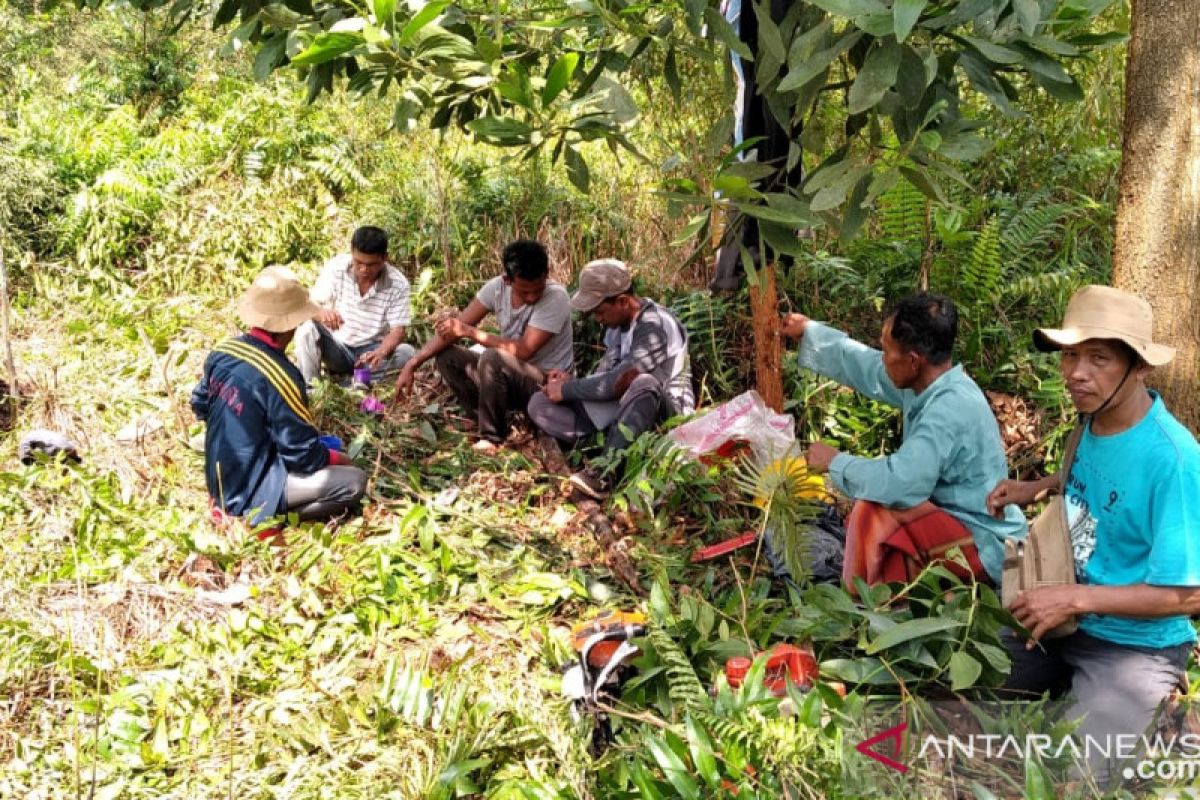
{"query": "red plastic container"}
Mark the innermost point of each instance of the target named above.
(785, 663)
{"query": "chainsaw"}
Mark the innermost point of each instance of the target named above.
(603, 649)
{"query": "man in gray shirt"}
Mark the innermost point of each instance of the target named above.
(501, 372)
(644, 376)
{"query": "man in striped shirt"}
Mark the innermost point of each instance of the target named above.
(364, 312)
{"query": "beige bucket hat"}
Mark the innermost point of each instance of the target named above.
(1102, 312)
(598, 281)
(276, 301)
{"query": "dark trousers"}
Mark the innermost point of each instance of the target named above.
(1114, 689)
(489, 385)
(638, 411)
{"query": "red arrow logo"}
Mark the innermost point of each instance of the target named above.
(896, 733)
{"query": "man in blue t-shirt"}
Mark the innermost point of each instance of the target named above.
(1135, 530)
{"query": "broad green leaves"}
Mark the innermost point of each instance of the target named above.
(896, 71)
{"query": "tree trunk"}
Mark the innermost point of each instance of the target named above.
(768, 350)
(1157, 254)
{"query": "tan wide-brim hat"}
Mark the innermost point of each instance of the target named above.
(276, 301)
(1102, 312)
(598, 281)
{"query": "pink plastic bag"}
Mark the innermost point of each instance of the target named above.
(745, 418)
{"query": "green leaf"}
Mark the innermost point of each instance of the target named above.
(577, 170)
(270, 55)
(905, 15)
(1038, 785)
(426, 15)
(912, 629)
(878, 74)
(750, 170)
(671, 75)
(701, 748)
(770, 41)
(1068, 92)
(326, 47)
(782, 238)
(384, 10)
(404, 118)
(964, 147)
(858, 670)
(856, 213)
(851, 8)
(911, 78)
(981, 78)
(1029, 13)
(994, 52)
(810, 68)
(964, 671)
(673, 768)
(558, 77)
(647, 786)
(717, 22)
(501, 130)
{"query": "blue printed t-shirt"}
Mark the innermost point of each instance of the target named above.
(1131, 504)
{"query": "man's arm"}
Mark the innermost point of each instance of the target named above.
(647, 353)
(472, 315)
(1045, 608)
(200, 399)
(387, 345)
(830, 352)
(903, 479)
(525, 348)
(322, 294)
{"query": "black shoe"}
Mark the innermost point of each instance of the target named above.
(590, 484)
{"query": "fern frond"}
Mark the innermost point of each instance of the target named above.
(902, 212)
(683, 684)
(983, 273)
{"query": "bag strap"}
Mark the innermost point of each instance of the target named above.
(1069, 452)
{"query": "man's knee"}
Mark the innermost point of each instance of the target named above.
(633, 384)
(402, 355)
(307, 335)
(351, 484)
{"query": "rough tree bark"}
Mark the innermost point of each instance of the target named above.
(1157, 252)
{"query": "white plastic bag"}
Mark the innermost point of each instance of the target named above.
(745, 418)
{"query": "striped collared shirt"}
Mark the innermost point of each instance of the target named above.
(365, 317)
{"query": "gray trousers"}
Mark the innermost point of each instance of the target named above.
(638, 410)
(1115, 689)
(325, 493)
(489, 385)
(316, 346)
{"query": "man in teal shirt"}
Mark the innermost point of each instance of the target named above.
(1131, 496)
(930, 494)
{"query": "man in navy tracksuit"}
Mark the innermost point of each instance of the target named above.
(262, 455)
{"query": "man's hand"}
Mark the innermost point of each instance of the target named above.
(819, 456)
(1045, 608)
(558, 375)
(329, 318)
(373, 359)
(404, 382)
(553, 390)
(454, 328)
(791, 326)
(1019, 493)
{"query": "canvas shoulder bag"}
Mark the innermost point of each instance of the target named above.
(1045, 557)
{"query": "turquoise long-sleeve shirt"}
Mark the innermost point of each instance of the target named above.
(951, 452)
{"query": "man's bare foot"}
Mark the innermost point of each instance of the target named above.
(486, 447)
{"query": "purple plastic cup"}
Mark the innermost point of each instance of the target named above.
(362, 375)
